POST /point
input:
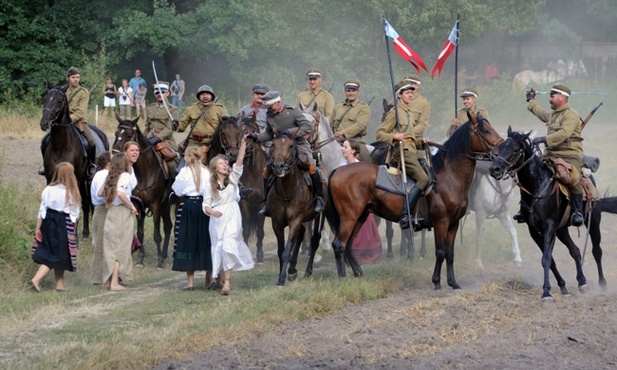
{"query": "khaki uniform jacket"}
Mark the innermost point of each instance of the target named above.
(461, 115)
(324, 100)
(78, 103)
(291, 119)
(562, 124)
(355, 122)
(413, 121)
(207, 124)
(158, 123)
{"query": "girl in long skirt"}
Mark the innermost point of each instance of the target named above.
(192, 252)
(98, 217)
(119, 223)
(229, 251)
(55, 227)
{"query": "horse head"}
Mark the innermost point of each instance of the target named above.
(126, 131)
(55, 107)
(512, 154)
(226, 139)
(484, 138)
(283, 154)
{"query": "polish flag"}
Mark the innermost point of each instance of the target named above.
(447, 50)
(403, 49)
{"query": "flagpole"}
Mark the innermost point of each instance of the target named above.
(458, 25)
(398, 129)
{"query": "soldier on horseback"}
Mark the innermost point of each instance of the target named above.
(413, 112)
(563, 140)
(286, 117)
(470, 98)
(159, 127)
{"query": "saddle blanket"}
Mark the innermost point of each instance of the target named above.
(392, 183)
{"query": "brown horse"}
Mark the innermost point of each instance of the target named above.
(152, 189)
(454, 166)
(290, 202)
(64, 145)
(254, 162)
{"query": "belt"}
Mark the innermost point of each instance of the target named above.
(194, 197)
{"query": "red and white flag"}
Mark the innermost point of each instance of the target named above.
(450, 44)
(403, 49)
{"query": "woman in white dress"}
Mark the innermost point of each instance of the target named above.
(229, 251)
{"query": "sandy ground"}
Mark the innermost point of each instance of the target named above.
(497, 322)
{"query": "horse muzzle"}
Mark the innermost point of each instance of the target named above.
(497, 170)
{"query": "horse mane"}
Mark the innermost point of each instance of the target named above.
(285, 133)
(458, 144)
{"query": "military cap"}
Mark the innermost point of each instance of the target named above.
(72, 71)
(271, 98)
(403, 86)
(469, 91)
(260, 88)
(161, 87)
(560, 89)
(352, 84)
(413, 79)
(313, 72)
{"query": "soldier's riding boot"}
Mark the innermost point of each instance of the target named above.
(522, 215)
(44, 144)
(413, 196)
(316, 180)
(91, 160)
(244, 191)
(577, 215)
(267, 185)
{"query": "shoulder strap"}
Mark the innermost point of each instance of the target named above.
(72, 96)
(314, 97)
(338, 123)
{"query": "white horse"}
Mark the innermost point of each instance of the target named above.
(490, 198)
(546, 77)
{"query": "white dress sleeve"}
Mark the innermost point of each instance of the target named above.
(180, 183)
(236, 173)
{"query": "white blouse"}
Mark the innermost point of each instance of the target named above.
(184, 185)
(124, 185)
(97, 182)
(53, 197)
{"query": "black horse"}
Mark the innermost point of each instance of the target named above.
(153, 188)
(548, 208)
(64, 144)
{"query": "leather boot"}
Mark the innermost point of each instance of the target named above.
(267, 185)
(413, 196)
(91, 160)
(577, 215)
(244, 191)
(316, 180)
(522, 215)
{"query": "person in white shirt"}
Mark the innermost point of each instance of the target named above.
(55, 242)
(126, 98)
(98, 217)
(192, 238)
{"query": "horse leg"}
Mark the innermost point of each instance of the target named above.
(423, 244)
(506, 221)
(306, 240)
(316, 236)
(404, 240)
(480, 222)
(279, 232)
(140, 235)
(167, 226)
(260, 238)
(440, 253)
(292, 273)
(596, 238)
(546, 242)
(156, 219)
(565, 238)
(86, 205)
(449, 254)
(389, 236)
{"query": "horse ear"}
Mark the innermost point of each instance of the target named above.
(509, 130)
(134, 122)
(48, 84)
(384, 104)
(120, 120)
(242, 116)
(315, 107)
(302, 107)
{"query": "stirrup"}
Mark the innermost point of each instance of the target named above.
(264, 211)
(41, 171)
(319, 205)
(579, 219)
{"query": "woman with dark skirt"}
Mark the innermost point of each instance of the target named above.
(55, 247)
(192, 239)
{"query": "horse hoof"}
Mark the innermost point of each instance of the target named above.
(280, 284)
(583, 288)
(547, 298)
(292, 277)
(140, 265)
(437, 287)
(518, 263)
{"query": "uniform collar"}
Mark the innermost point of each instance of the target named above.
(563, 107)
(353, 104)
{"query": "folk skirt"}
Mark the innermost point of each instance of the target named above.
(192, 246)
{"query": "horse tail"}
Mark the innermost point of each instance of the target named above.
(331, 213)
(608, 205)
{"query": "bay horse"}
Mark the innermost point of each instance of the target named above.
(65, 145)
(153, 189)
(290, 202)
(454, 166)
(549, 208)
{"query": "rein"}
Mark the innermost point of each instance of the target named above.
(134, 138)
(54, 120)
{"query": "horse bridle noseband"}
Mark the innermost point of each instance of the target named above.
(290, 161)
(486, 155)
(124, 127)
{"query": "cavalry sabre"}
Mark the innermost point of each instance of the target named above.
(164, 100)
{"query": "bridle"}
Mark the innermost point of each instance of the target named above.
(132, 137)
(288, 162)
(55, 116)
(489, 147)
